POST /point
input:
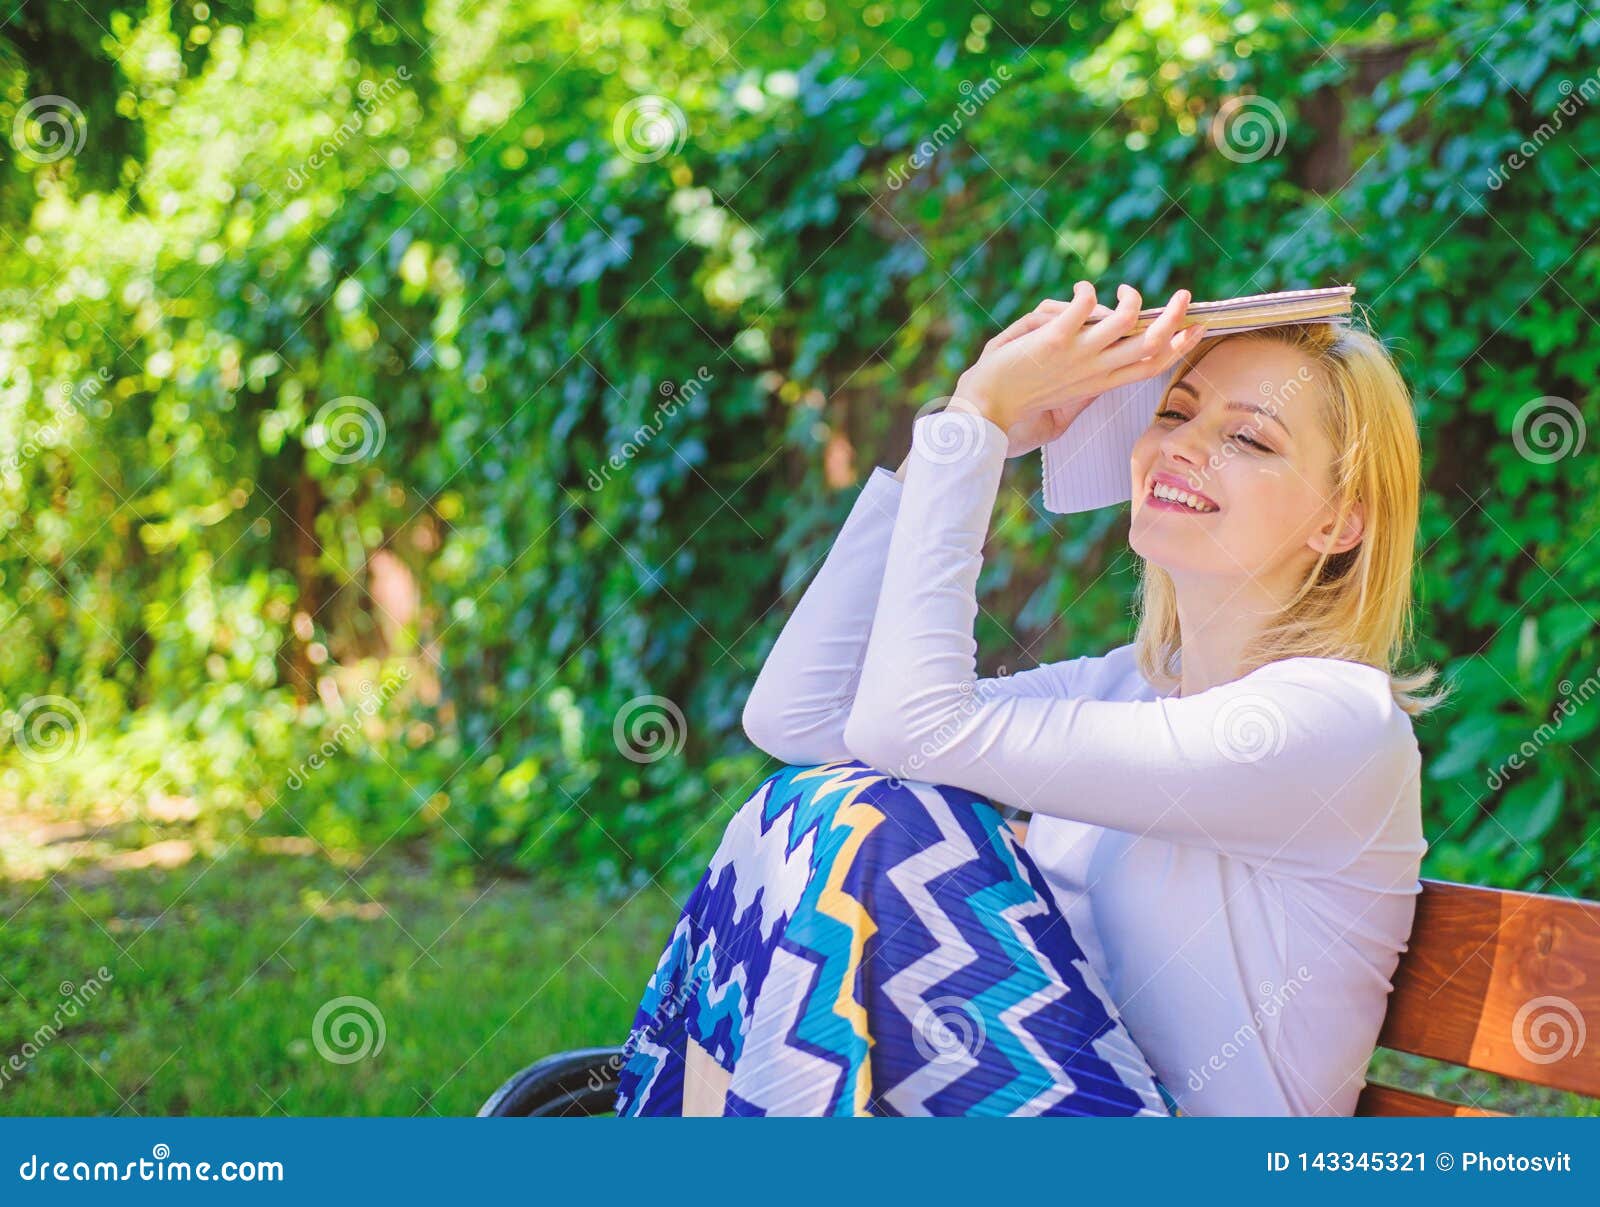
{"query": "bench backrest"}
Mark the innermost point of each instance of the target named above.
(1499, 981)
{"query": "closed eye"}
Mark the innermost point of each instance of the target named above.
(1242, 436)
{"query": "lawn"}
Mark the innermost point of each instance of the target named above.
(220, 952)
(222, 943)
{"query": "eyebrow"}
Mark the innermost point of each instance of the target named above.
(1235, 405)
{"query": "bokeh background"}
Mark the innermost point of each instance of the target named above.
(417, 419)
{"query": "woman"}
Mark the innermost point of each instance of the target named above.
(1221, 865)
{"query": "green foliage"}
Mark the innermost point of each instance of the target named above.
(623, 399)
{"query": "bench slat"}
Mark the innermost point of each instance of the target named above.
(1504, 982)
(1387, 1100)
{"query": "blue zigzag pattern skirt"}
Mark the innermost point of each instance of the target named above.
(863, 945)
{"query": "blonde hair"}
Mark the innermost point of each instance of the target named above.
(1355, 605)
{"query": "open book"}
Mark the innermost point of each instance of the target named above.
(1087, 465)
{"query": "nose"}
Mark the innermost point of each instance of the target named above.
(1184, 450)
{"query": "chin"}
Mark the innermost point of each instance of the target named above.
(1174, 556)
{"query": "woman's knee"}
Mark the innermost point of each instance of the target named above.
(820, 795)
(931, 809)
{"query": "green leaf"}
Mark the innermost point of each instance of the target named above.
(1530, 807)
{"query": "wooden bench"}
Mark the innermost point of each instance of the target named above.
(1502, 982)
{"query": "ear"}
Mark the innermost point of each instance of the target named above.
(1334, 537)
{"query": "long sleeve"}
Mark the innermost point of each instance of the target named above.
(796, 711)
(1298, 762)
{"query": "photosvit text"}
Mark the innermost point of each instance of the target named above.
(1382, 1161)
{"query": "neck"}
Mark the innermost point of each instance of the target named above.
(1218, 618)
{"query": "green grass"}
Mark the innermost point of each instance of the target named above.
(220, 956)
(222, 942)
(1469, 1087)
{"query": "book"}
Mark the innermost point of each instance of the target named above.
(1087, 465)
(1257, 310)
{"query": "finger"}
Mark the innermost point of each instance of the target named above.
(1067, 322)
(1177, 347)
(1118, 324)
(1155, 338)
(1052, 305)
(1032, 321)
(1159, 333)
(1028, 322)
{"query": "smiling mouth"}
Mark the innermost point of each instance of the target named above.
(1171, 498)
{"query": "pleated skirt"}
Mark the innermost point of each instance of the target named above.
(863, 945)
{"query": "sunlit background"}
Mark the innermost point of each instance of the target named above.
(416, 420)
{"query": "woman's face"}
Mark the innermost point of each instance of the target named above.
(1241, 430)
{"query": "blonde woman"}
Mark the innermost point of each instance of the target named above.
(1221, 864)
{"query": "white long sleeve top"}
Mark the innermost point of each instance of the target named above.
(1239, 866)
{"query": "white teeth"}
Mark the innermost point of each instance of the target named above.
(1163, 491)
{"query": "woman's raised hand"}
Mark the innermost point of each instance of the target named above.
(1039, 374)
